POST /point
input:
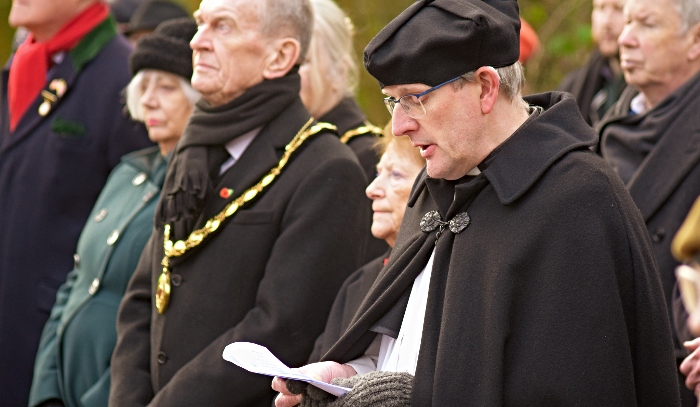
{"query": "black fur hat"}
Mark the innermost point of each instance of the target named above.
(166, 49)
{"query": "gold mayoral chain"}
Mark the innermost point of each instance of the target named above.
(195, 238)
(367, 128)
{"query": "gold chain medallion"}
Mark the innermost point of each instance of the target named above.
(367, 128)
(180, 247)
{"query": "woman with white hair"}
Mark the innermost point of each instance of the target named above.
(328, 80)
(72, 365)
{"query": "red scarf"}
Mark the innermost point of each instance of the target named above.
(31, 61)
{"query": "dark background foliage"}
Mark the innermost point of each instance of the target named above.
(563, 27)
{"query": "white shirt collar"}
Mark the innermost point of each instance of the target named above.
(236, 147)
(638, 104)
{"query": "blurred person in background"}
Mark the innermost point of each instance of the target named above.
(149, 14)
(397, 170)
(686, 312)
(63, 128)
(329, 76)
(258, 202)
(72, 365)
(597, 85)
(649, 136)
(122, 10)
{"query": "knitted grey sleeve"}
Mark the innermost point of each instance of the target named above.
(388, 389)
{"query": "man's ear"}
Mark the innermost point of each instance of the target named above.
(284, 53)
(488, 79)
(694, 49)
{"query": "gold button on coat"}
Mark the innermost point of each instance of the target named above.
(94, 286)
(113, 237)
(139, 178)
(101, 215)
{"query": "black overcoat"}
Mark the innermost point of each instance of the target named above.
(346, 304)
(269, 276)
(349, 118)
(550, 296)
(585, 82)
(666, 184)
(52, 169)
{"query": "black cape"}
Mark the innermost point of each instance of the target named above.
(549, 297)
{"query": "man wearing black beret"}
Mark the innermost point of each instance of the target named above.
(522, 274)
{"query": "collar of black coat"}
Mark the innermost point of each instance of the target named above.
(345, 115)
(516, 165)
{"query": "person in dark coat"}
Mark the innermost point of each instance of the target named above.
(62, 130)
(261, 220)
(149, 14)
(597, 85)
(72, 365)
(522, 274)
(328, 79)
(648, 135)
(398, 167)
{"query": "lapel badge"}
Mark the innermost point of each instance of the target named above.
(45, 106)
(59, 86)
(225, 193)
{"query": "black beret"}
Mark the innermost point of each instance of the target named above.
(433, 41)
(150, 13)
(167, 48)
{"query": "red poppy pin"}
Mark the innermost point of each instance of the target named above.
(225, 192)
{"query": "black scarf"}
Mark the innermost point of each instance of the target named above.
(200, 152)
(626, 139)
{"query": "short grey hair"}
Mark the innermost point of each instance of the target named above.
(689, 12)
(134, 92)
(511, 78)
(288, 17)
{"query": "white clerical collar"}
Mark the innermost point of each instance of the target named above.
(638, 104)
(474, 171)
(236, 147)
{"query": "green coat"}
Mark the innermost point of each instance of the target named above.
(74, 354)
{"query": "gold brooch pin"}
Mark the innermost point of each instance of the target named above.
(45, 106)
(59, 86)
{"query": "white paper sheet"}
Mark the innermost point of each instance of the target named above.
(258, 359)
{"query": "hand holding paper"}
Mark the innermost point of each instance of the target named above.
(258, 359)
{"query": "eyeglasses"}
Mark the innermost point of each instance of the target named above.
(411, 103)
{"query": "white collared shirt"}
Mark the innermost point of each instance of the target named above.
(401, 354)
(638, 104)
(236, 147)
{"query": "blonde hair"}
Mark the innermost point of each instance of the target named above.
(401, 144)
(330, 60)
(134, 92)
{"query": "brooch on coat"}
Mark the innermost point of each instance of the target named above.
(432, 220)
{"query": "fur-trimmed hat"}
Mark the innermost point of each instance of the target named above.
(167, 48)
(433, 41)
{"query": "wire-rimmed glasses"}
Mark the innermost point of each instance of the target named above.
(411, 103)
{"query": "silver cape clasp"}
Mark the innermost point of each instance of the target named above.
(432, 221)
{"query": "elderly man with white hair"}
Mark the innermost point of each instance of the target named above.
(651, 135)
(261, 218)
